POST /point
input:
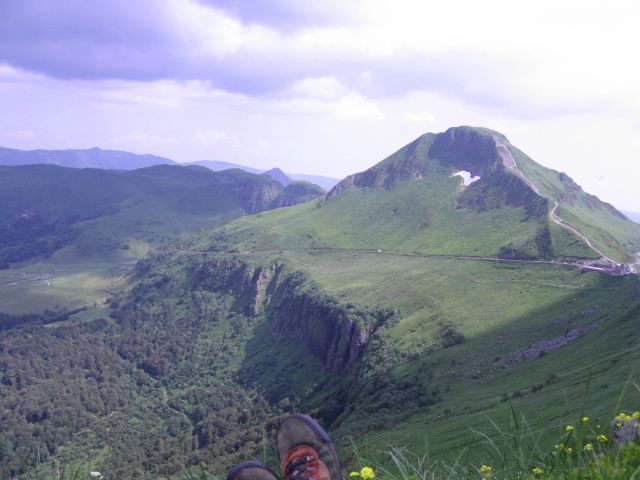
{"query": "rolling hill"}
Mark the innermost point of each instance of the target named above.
(416, 304)
(97, 222)
(47, 207)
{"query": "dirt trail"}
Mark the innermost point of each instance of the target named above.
(510, 162)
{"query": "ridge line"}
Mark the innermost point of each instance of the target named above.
(509, 162)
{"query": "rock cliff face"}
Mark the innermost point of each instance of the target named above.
(333, 332)
(266, 194)
(279, 176)
(465, 148)
(255, 196)
(297, 192)
(250, 285)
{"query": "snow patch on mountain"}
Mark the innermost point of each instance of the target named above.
(467, 179)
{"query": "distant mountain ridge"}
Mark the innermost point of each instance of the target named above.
(279, 176)
(325, 182)
(633, 216)
(88, 158)
(44, 208)
(217, 165)
(122, 160)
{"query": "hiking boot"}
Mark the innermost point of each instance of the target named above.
(306, 450)
(251, 471)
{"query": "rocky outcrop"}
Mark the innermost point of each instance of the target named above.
(247, 283)
(537, 350)
(297, 192)
(254, 196)
(266, 194)
(465, 148)
(279, 176)
(499, 189)
(335, 333)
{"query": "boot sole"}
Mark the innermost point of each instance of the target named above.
(250, 464)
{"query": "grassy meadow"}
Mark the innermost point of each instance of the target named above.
(500, 309)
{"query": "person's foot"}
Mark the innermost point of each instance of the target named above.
(251, 471)
(306, 450)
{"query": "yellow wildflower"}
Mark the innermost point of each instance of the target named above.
(537, 471)
(588, 448)
(354, 474)
(603, 438)
(636, 415)
(367, 472)
(569, 428)
(619, 424)
(627, 418)
(485, 469)
(569, 450)
(585, 419)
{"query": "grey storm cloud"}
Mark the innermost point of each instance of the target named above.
(139, 41)
(142, 41)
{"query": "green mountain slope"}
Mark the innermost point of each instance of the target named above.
(609, 230)
(71, 234)
(99, 212)
(376, 309)
(413, 202)
(206, 351)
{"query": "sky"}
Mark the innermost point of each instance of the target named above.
(329, 87)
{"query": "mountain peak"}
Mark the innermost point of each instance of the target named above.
(279, 176)
(469, 149)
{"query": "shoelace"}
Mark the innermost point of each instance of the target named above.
(297, 468)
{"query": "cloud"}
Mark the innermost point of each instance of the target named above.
(217, 138)
(287, 14)
(18, 134)
(424, 118)
(275, 48)
(12, 74)
(358, 107)
(146, 140)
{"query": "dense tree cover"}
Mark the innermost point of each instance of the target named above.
(179, 375)
(152, 392)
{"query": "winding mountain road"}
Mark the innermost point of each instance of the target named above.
(398, 253)
(509, 162)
